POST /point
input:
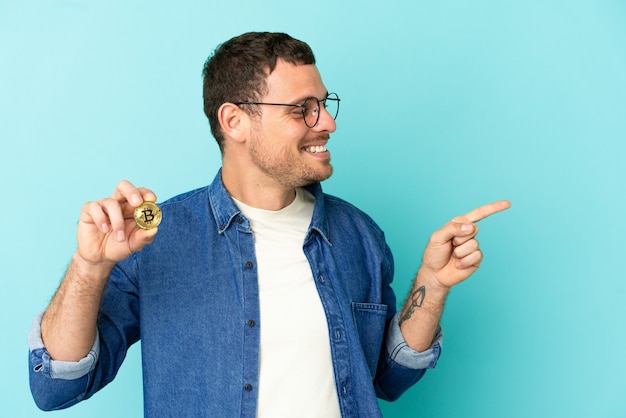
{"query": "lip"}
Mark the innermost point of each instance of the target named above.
(319, 142)
(308, 146)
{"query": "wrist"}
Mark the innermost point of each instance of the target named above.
(89, 269)
(429, 278)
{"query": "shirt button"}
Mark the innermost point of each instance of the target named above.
(247, 387)
(249, 264)
(239, 220)
(251, 323)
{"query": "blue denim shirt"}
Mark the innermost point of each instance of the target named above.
(192, 298)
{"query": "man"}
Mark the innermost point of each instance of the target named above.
(260, 295)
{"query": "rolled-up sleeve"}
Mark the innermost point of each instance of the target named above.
(400, 352)
(400, 366)
(41, 362)
(58, 384)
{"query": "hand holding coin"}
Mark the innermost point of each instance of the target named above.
(147, 215)
(110, 229)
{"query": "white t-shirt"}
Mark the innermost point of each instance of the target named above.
(296, 372)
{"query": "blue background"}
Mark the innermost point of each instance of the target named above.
(446, 105)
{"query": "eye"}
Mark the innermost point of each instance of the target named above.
(311, 106)
(299, 110)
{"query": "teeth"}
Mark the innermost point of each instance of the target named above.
(318, 148)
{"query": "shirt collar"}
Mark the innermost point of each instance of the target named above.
(319, 223)
(225, 210)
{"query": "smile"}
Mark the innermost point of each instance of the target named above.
(316, 148)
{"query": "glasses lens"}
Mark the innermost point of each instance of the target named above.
(312, 108)
(332, 104)
(311, 111)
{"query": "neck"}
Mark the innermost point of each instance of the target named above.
(251, 190)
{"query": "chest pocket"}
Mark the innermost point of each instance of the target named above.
(369, 319)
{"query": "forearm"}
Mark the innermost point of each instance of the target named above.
(68, 327)
(419, 320)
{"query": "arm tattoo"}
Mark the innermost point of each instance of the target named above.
(417, 299)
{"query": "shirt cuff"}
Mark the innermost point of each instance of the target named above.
(65, 370)
(400, 352)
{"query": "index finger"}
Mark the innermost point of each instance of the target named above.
(484, 211)
(125, 190)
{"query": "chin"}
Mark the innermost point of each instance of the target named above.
(320, 176)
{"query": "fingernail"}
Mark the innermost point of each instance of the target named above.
(120, 236)
(136, 200)
(466, 227)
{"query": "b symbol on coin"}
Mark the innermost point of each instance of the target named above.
(147, 215)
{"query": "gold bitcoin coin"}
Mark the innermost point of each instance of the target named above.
(148, 215)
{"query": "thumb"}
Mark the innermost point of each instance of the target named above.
(141, 238)
(450, 231)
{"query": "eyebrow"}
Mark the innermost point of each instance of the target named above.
(302, 99)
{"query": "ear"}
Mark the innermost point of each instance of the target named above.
(233, 121)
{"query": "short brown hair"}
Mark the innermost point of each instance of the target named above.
(237, 70)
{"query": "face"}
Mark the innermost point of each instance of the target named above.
(282, 148)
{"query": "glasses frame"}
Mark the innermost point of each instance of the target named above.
(329, 96)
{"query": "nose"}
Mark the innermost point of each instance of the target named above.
(325, 123)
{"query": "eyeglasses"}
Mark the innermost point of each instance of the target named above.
(310, 108)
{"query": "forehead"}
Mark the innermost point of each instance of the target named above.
(290, 82)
